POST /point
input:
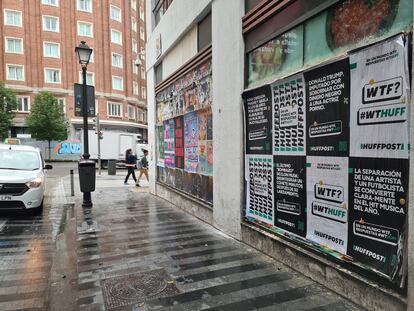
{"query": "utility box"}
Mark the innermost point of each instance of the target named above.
(111, 167)
(87, 175)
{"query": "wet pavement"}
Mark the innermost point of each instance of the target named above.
(133, 251)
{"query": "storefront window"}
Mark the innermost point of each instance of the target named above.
(281, 55)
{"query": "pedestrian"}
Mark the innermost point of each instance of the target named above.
(143, 167)
(130, 161)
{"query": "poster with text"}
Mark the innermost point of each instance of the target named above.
(191, 142)
(160, 146)
(258, 113)
(259, 174)
(290, 193)
(327, 201)
(169, 143)
(179, 142)
(378, 213)
(327, 113)
(204, 165)
(289, 116)
(380, 100)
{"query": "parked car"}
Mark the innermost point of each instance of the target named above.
(22, 177)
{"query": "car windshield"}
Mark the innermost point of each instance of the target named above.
(19, 160)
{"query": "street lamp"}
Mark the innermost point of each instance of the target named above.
(84, 52)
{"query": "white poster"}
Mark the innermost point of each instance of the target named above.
(327, 201)
(380, 100)
(259, 177)
(289, 116)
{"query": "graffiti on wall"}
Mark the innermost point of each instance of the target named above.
(67, 148)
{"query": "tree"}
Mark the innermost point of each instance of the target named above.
(8, 103)
(47, 120)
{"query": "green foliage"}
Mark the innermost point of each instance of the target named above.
(47, 120)
(8, 103)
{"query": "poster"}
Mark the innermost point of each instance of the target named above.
(289, 116)
(327, 201)
(260, 192)
(258, 110)
(179, 142)
(191, 142)
(160, 146)
(290, 193)
(378, 212)
(204, 145)
(327, 110)
(169, 143)
(380, 100)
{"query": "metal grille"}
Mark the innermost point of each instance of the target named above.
(13, 189)
(11, 205)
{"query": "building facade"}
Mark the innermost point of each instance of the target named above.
(285, 124)
(37, 54)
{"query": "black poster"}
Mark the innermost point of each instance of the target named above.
(290, 193)
(258, 111)
(327, 91)
(179, 142)
(378, 194)
(179, 179)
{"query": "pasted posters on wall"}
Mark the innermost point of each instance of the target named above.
(378, 212)
(205, 146)
(290, 193)
(327, 113)
(327, 201)
(259, 177)
(160, 146)
(179, 142)
(258, 110)
(380, 100)
(289, 116)
(169, 143)
(191, 142)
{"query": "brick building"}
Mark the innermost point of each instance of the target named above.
(37, 54)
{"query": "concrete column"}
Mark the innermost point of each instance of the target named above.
(151, 129)
(228, 82)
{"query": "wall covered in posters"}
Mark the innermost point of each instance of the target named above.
(184, 116)
(326, 159)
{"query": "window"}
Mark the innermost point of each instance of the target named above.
(204, 33)
(134, 4)
(117, 83)
(51, 49)
(134, 68)
(51, 2)
(85, 29)
(62, 104)
(135, 87)
(158, 73)
(51, 23)
(131, 112)
(134, 46)
(143, 92)
(15, 72)
(134, 24)
(84, 5)
(14, 45)
(116, 60)
(140, 116)
(114, 110)
(90, 78)
(142, 13)
(116, 36)
(23, 104)
(13, 18)
(115, 13)
(52, 75)
(143, 73)
(142, 33)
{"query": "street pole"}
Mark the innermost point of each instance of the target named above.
(87, 201)
(98, 131)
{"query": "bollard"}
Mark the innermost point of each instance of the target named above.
(72, 186)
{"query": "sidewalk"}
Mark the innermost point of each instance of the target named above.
(138, 252)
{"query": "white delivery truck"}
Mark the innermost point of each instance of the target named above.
(112, 145)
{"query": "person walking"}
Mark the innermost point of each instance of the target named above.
(143, 167)
(131, 161)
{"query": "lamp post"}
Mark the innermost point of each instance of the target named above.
(84, 52)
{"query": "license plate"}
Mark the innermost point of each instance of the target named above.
(5, 197)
